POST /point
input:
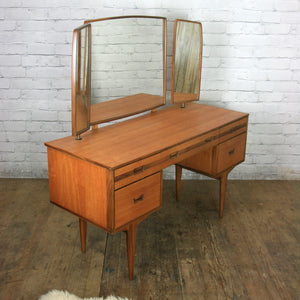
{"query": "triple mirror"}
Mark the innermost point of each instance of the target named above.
(119, 67)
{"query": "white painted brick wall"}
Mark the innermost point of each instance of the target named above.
(251, 63)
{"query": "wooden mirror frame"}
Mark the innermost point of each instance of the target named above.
(185, 97)
(85, 92)
(135, 104)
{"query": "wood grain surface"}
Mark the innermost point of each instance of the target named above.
(138, 199)
(80, 187)
(124, 107)
(140, 137)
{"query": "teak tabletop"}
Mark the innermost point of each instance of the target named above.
(128, 141)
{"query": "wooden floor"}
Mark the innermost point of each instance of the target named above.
(184, 251)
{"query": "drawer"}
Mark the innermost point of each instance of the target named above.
(147, 166)
(233, 129)
(230, 153)
(137, 199)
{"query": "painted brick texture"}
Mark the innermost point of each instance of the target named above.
(251, 63)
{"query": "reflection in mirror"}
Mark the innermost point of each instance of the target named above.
(187, 59)
(128, 66)
(81, 66)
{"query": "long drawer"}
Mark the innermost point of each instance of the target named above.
(147, 166)
(154, 163)
(233, 129)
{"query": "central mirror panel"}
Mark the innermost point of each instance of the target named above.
(187, 60)
(128, 69)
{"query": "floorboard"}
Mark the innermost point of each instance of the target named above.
(183, 251)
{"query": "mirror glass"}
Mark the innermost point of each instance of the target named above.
(187, 59)
(81, 79)
(128, 66)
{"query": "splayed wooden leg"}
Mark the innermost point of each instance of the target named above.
(178, 181)
(131, 240)
(223, 184)
(83, 230)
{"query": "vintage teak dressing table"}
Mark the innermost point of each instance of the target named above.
(112, 176)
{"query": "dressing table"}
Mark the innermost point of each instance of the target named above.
(111, 176)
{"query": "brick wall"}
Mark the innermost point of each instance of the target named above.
(251, 63)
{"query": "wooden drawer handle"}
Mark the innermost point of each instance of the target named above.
(138, 170)
(139, 199)
(174, 155)
(231, 152)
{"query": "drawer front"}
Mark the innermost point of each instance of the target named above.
(145, 167)
(231, 153)
(137, 199)
(234, 129)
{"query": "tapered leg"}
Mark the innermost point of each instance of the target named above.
(178, 181)
(223, 184)
(83, 229)
(131, 239)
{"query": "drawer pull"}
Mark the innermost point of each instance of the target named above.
(231, 152)
(174, 155)
(139, 199)
(209, 140)
(138, 170)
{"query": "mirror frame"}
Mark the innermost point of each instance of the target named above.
(76, 79)
(182, 101)
(134, 106)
